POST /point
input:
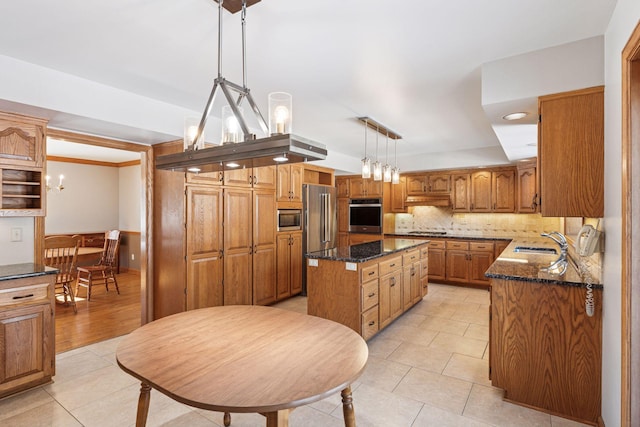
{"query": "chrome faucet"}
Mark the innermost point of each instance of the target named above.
(559, 266)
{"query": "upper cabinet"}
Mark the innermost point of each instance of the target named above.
(342, 186)
(571, 153)
(460, 197)
(22, 160)
(289, 188)
(527, 189)
(433, 183)
(484, 191)
(360, 187)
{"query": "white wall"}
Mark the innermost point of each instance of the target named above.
(16, 252)
(623, 21)
(129, 194)
(89, 203)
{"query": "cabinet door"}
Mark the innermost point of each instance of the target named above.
(457, 266)
(264, 177)
(283, 187)
(26, 347)
(503, 186)
(238, 177)
(204, 247)
(481, 200)
(264, 247)
(206, 178)
(526, 191)
(416, 185)
(571, 153)
(343, 215)
(357, 187)
(406, 287)
(296, 263)
(461, 197)
(390, 299)
(342, 185)
(297, 175)
(283, 275)
(439, 183)
(238, 245)
(373, 188)
(480, 263)
(416, 287)
(22, 140)
(437, 265)
(398, 196)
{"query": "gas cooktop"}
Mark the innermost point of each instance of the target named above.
(428, 232)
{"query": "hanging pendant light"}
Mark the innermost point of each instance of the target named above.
(386, 169)
(366, 162)
(377, 166)
(395, 172)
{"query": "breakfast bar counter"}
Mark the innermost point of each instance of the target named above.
(367, 286)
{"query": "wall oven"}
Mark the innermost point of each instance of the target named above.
(289, 219)
(365, 216)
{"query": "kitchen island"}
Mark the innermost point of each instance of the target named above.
(27, 328)
(367, 286)
(545, 352)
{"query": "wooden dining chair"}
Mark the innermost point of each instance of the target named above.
(61, 252)
(105, 270)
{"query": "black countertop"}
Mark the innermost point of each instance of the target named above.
(527, 267)
(19, 271)
(428, 235)
(366, 251)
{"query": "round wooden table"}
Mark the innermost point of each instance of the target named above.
(244, 359)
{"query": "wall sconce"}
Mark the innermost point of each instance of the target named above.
(58, 187)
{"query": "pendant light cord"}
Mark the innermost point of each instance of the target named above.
(366, 125)
(244, 43)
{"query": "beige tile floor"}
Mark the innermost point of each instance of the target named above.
(428, 368)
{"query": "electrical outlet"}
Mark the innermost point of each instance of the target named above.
(16, 234)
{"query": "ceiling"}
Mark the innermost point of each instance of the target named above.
(414, 66)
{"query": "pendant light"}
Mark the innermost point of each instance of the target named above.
(386, 169)
(377, 166)
(366, 162)
(395, 172)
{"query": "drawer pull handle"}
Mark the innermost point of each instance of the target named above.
(371, 273)
(372, 323)
(23, 296)
(372, 294)
(392, 265)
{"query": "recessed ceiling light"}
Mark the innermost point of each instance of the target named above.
(195, 170)
(515, 116)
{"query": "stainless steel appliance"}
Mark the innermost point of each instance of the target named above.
(289, 219)
(320, 221)
(365, 216)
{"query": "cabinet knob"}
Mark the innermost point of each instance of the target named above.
(373, 322)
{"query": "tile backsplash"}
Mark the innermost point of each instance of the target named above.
(476, 224)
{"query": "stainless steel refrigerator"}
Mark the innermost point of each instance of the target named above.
(320, 222)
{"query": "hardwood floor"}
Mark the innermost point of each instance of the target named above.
(107, 315)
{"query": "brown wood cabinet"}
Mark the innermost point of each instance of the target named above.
(571, 153)
(467, 261)
(263, 257)
(342, 186)
(432, 183)
(484, 191)
(411, 285)
(480, 192)
(289, 270)
(22, 161)
(27, 333)
(398, 196)
(527, 190)
(360, 187)
(343, 215)
(545, 352)
(460, 196)
(391, 287)
(437, 260)
(503, 190)
(238, 246)
(289, 188)
(204, 287)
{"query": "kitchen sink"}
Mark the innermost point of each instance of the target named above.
(534, 250)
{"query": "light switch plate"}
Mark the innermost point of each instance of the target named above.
(351, 266)
(313, 263)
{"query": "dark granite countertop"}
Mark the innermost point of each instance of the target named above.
(366, 251)
(427, 235)
(527, 267)
(19, 271)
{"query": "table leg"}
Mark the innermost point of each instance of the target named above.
(143, 405)
(278, 418)
(347, 408)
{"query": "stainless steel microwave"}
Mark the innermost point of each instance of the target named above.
(365, 216)
(289, 219)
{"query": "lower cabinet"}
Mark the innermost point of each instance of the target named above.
(468, 261)
(391, 287)
(27, 333)
(289, 269)
(437, 260)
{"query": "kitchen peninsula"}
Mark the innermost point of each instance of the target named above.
(367, 286)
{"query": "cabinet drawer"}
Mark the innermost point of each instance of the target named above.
(452, 244)
(369, 273)
(369, 294)
(370, 322)
(424, 267)
(389, 265)
(424, 253)
(437, 244)
(485, 247)
(24, 294)
(410, 257)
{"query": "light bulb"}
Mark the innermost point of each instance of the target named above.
(282, 115)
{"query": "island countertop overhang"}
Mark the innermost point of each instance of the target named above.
(364, 252)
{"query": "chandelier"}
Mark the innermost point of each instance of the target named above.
(380, 172)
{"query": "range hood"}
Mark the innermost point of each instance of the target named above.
(441, 200)
(277, 149)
